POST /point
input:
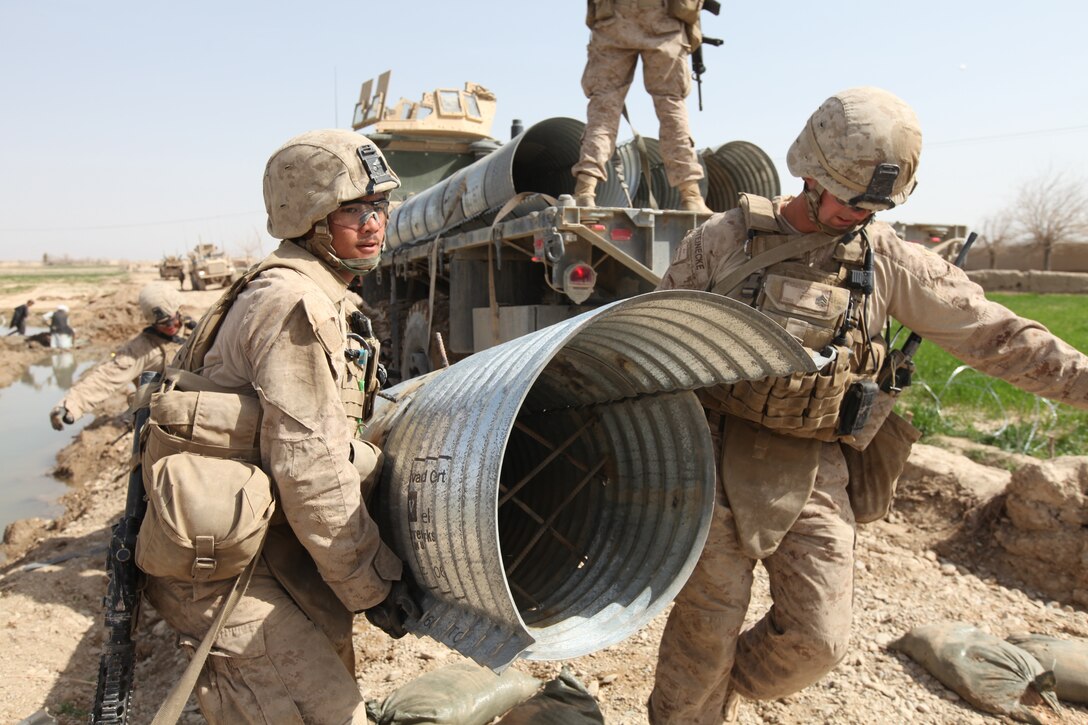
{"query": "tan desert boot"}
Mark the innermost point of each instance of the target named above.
(691, 199)
(585, 190)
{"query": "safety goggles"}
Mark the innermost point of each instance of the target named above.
(355, 214)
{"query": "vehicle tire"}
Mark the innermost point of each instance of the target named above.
(415, 359)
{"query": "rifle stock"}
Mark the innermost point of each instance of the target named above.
(113, 693)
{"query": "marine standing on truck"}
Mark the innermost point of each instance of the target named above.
(285, 652)
(151, 349)
(822, 267)
(663, 33)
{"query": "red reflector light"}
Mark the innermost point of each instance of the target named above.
(597, 227)
(581, 274)
(619, 234)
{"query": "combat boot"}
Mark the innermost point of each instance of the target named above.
(691, 199)
(585, 190)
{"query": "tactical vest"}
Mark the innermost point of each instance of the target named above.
(820, 309)
(357, 373)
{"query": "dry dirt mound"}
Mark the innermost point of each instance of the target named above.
(934, 559)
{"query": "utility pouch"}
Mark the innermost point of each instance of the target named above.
(810, 311)
(206, 517)
(857, 405)
(875, 470)
(767, 477)
(209, 502)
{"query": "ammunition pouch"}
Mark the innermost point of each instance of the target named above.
(209, 502)
(875, 469)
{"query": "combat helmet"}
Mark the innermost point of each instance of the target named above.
(311, 175)
(862, 145)
(159, 303)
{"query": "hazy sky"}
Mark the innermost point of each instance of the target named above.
(134, 129)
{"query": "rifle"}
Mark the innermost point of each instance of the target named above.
(113, 693)
(899, 368)
(697, 66)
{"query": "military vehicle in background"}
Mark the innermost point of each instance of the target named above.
(209, 266)
(173, 267)
(485, 242)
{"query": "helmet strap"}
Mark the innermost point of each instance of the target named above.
(812, 195)
(319, 244)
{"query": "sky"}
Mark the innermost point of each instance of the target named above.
(130, 130)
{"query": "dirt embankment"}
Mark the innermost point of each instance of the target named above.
(936, 558)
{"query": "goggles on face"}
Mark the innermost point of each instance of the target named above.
(355, 214)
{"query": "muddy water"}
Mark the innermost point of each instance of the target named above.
(28, 444)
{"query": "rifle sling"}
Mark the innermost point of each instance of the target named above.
(170, 710)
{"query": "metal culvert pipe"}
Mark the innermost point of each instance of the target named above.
(537, 160)
(736, 167)
(553, 493)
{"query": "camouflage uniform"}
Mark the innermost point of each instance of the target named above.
(285, 653)
(149, 350)
(638, 29)
(703, 652)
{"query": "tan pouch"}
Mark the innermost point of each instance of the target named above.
(206, 517)
(767, 478)
(209, 503)
(875, 470)
(221, 425)
(810, 311)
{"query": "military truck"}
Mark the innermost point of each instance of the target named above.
(172, 267)
(209, 267)
(485, 242)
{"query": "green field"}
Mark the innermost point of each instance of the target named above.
(21, 279)
(948, 400)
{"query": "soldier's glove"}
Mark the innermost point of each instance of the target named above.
(400, 606)
(59, 416)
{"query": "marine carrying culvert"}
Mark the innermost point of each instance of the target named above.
(553, 493)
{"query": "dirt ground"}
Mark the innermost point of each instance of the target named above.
(930, 561)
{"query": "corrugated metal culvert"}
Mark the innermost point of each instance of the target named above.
(553, 493)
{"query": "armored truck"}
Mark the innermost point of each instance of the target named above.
(485, 242)
(209, 267)
(172, 267)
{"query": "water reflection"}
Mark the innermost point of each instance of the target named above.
(28, 445)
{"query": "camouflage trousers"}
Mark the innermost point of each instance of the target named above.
(270, 663)
(614, 50)
(704, 654)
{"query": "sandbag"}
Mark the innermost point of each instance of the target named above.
(563, 701)
(459, 694)
(988, 672)
(1068, 658)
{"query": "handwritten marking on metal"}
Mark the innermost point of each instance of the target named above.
(426, 471)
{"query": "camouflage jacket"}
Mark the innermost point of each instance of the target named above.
(919, 289)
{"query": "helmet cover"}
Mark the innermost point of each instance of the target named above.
(159, 303)
(863, 146)
(313, 173)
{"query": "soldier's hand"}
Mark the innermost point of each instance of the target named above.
(398, 608)
(59, 416)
